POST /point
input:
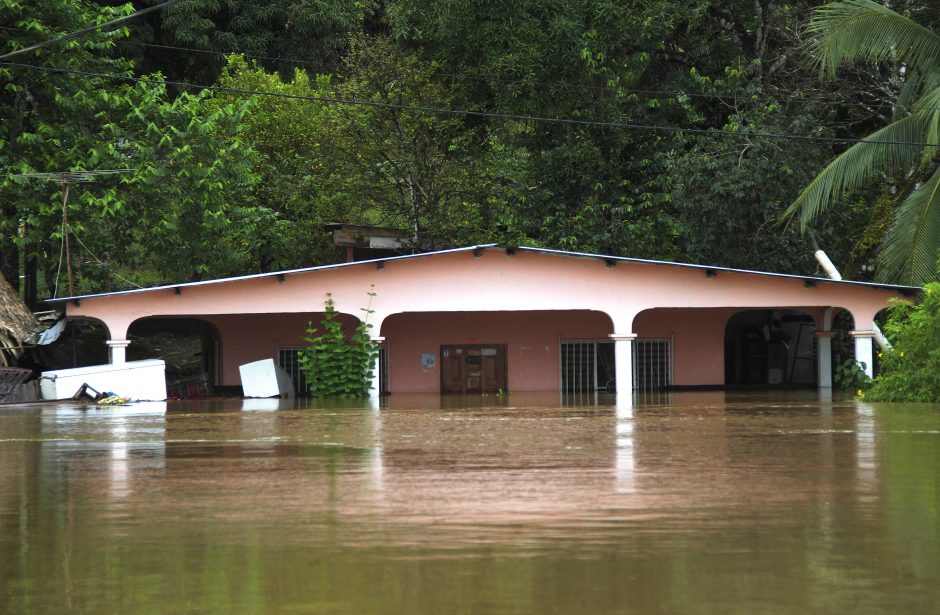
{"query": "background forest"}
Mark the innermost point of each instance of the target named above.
(682, 148)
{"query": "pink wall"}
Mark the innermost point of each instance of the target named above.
(698, 341)
(252, 337)
(531, 338)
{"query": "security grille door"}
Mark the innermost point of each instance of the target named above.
(383, 369)
(287, 360)
(578, 366)
(652, 364)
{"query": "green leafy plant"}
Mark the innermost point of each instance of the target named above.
(910, 371)
(334, 365)
(850, 375)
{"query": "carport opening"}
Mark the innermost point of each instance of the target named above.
(190, 348)
(80, 345)
(770, 348)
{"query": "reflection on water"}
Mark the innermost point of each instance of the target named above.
(715, 502)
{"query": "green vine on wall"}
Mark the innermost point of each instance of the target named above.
(334, 365)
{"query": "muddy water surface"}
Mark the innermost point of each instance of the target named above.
(692, 503)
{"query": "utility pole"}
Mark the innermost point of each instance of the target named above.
(65, 179)
(65, 233)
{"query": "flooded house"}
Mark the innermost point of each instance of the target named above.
(489, 318)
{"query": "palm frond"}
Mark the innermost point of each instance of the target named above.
(908, 94)
(857, 166)
(862, 30)
(910, 250)
(927, 108)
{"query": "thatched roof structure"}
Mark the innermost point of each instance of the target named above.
(16, 323)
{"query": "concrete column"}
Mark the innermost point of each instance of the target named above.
(623, 360)
(375, 389)
(863, 350)
(824, 359)
(118, 351)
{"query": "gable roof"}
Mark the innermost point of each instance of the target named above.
(907, 290)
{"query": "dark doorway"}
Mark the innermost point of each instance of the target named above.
(473, 368)
(770, 347)
(189, 346)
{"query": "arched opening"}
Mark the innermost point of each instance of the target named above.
(190, 347)
(216, 345)
(290, 342)
(770, 348)
(81, 344)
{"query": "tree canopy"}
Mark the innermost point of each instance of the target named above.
(701, 123)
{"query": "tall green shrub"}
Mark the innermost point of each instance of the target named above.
(910, 371)
(334, 365)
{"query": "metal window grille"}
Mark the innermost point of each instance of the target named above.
(652, 364)
(383, 369)
(287, 359)
(584, 368)
(578, 366)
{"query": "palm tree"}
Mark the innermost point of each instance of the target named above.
(909, 147)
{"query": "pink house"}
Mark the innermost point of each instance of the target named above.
(485, 318)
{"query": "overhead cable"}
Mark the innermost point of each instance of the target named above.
(484, 79)
(471, 113)
(84, 31)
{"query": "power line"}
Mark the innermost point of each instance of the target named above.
(72, 177)
(103, 264)
(472, 113)
(84, 31)
(487, 79)
(228, 53)
(65, 179)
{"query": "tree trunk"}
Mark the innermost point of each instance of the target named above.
(31, 277)
(10, 261)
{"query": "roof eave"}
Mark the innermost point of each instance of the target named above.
(901, 289)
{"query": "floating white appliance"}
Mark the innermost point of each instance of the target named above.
(136, 380)
(264, 378)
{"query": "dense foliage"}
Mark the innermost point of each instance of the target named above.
(910, 371)
(685, 154)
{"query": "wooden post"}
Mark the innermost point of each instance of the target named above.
(65, 230)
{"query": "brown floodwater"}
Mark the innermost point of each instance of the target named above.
(686, 503)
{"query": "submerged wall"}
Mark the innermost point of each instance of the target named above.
(532, 340)
(246, 338)
(698, 341)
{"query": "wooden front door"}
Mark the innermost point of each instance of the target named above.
(473, 368)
